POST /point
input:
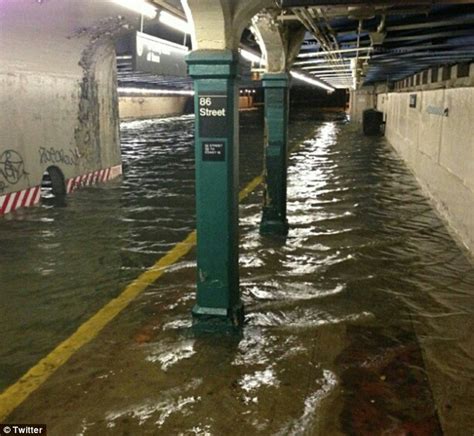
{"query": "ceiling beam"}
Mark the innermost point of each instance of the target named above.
(446, 34)
(170, 8)
(304, 3)
(461, 20)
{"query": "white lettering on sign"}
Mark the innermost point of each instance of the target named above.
(205, 111)
(213, 115)
(157, 56)
(153, 57)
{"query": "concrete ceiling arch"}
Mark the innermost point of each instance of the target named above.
(279, 44)
(218, 24)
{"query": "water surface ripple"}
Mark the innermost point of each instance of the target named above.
(357, 323)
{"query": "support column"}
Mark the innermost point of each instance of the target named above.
(274, 220)
(217, 172)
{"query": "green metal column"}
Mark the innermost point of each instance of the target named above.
(274, 220)
(217, 181)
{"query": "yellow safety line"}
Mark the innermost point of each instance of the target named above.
(14, 395)
(250, 187)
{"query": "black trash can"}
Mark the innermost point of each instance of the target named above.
(372, 122)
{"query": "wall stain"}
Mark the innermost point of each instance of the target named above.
(87, 133)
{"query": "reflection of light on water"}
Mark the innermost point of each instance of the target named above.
(198, 431)
(302, 318)
(295, 291)
(168, 355)
(142, 124)
(251, 382)
(84, 426)
(177, 324)
(165, 407)
(311, 404)
(254, 349)
(144, 412)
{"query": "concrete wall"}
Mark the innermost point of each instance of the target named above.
(148, 107)
(359, 101)
(436, 139)
(58, 92)
(362, 99)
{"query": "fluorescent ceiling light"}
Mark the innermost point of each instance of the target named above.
(326, 70)
(174, 22)
(326, 67)
(255, 58)
(310, 81)
(249, 56)
(145, 91)
(139, 6)
(320, 61)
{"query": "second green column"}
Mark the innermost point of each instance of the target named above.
(274, 221)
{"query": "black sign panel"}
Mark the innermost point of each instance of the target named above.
(158, 56)
(213, 151)
(412, 100)
(212, 115)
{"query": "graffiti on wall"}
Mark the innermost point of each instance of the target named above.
(59, 156)
(12, 169)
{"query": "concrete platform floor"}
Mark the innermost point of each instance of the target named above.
(359, 323)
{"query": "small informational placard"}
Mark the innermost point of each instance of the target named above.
(213, 151)
(212, 115)
(412, 100)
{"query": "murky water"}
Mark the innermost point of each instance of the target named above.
(358, 323)
(59, 265)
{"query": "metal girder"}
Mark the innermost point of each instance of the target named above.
(431, 24)
(438, 53)
(446, 34)
(399, 51)
(170, 8)
(325, 53)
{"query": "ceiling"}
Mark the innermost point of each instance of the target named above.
(350, 43)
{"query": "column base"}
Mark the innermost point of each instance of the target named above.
(270, 227)
(212, 319)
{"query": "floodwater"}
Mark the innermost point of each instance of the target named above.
(358, 323)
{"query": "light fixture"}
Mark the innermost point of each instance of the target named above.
(174, 22)
(139, 6)
(146, 91)
(310, 81)
(249, 56)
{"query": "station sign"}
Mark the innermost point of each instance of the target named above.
(157, 56)
(212, 113)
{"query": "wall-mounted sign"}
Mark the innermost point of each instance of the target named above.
(213, 151)
(440, 111)
(212, 113)
(158, 56)
(412, 100)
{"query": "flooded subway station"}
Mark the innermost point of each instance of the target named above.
(328, 170)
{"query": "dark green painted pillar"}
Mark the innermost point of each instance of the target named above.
(274, 220)
(217, 180)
